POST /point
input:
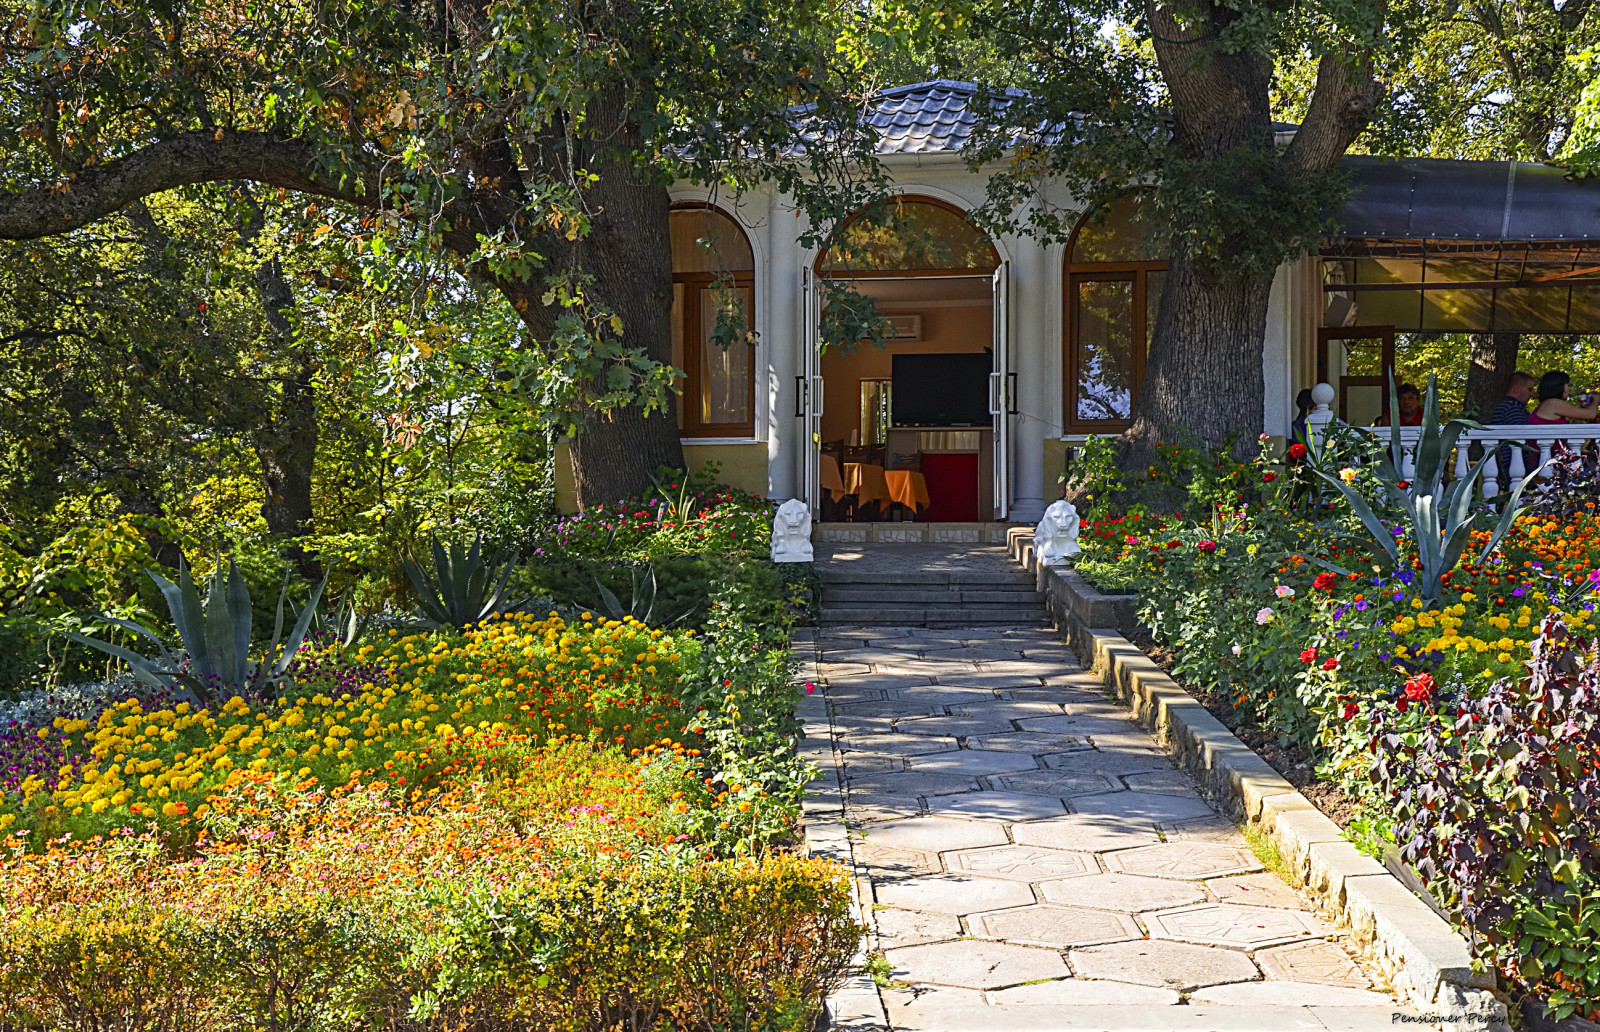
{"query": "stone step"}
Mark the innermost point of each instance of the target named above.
(934, 616)
(959, 578)
(844, 593)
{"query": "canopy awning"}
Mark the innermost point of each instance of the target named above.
(1488, 201)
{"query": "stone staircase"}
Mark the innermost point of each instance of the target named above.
(899, 588)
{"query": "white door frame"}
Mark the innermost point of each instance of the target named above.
(1002, 391)
(809, 395)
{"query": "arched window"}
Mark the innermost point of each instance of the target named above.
(1116, 265)
(911, 234)
(713, 318)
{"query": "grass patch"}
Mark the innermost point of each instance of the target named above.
(1267, 852)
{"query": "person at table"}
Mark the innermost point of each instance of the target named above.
(1554, 408)
(1302, 408)
(1513, 411)
(1410, 406)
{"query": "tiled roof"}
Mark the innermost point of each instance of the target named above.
(926, 117)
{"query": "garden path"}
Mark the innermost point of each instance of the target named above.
(1034, 860)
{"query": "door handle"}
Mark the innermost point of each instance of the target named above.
(996, 406)
(799, 397)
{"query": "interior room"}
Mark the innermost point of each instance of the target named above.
(906, 434)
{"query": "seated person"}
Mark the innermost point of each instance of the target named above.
(1410, 406)
(1513, 411)
(1554, 408)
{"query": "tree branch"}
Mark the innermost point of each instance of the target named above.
(185, 160)
(1346, 96)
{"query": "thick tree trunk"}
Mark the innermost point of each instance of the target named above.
(1203, 374)
(1492, 360)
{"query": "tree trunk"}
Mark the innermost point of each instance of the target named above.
(1492, 360)
(1203, 375)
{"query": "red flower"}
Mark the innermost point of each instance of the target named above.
(1297, 450)
(1208, 547)
(1324, 582)
(1403, 484)
(1419, 687)
(1171, 545)
(1350, 710)
(1330, 664)
(1308, 656)
(1269, 476)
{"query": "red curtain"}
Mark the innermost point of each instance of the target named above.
(952, 488)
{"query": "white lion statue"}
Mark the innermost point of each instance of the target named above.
(791, 533)
(1056, 536)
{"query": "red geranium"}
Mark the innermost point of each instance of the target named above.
(1324, 582)
(1419, 687)
(1297, 450)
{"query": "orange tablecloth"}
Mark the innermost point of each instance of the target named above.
(908, 487)
(829, 477)
(866, 482)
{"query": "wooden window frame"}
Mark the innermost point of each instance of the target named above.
(689, 402)
(1072, 276)
(821, 267)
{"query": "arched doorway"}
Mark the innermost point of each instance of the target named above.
(1116, 264)
(922, 417)
(713, 311)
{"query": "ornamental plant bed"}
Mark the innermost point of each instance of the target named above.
(1422, 668)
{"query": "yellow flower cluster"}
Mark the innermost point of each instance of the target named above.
(1449, 621)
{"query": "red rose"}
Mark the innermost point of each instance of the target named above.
(1208, 547)
(1330, 664)
(1297, 451)
(1308, 656)
(1419, 687)
(1403, 484)
(1269, 477)
(1324, 581)
(1350, 710)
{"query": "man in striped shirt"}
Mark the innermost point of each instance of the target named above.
(1513, 411)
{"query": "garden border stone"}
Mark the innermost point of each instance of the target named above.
(1428, 962)
(856, 1005)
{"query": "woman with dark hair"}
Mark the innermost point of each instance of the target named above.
(1553, 405)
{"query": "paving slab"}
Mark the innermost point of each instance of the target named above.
(1023, 863)
(997, 806)
(1174, 965)
(1294, 994)
(1034, 743)
(915, 783)
(1257, 890)
(953, 894)
(912, 927)
(1055, 926)
(1086, 834)
(1325, 963)
(882, 862)
(1059, 783)
(1080, 992)
(1194, 860)
(1158, 807)
(901, 745)
(1122, 892)
(960, 727)
(1103, 761)
(934, 834)
(975, 965)
(1229, 924)
(972, 761)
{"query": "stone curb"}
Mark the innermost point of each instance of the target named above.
(1428, 962)
(856, 1005)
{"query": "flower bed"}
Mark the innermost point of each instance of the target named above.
(1414, 699)
(539, 823)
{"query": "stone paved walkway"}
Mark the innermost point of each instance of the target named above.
(1036, 862)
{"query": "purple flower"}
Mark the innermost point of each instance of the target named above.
(1518, 592)
(1361, 605)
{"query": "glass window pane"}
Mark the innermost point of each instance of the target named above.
(910, 235)
(725, 350)
(875, 409)
(706, 240)
(1123, 231)
(1104, 359)
(1531, 309)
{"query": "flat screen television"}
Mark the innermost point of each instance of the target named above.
(941, 390)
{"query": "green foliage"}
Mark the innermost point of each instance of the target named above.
(1440, 515)
(461, 590)
(216, 639)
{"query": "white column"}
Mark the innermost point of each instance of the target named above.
(784, 443)
(1036, 359)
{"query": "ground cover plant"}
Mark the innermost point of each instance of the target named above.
(1451, 701)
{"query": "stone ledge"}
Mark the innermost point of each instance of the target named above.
(1429, 962)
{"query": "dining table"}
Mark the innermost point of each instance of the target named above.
(908, 487)
(867, 482)
(829, 478)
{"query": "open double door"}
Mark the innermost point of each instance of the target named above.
(809, 391)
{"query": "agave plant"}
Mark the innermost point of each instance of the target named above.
(1440, 516)
(215, 635)
(461, 590)
(642, 606)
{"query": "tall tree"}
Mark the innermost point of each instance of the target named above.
(1176, 99)
(532, 142)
